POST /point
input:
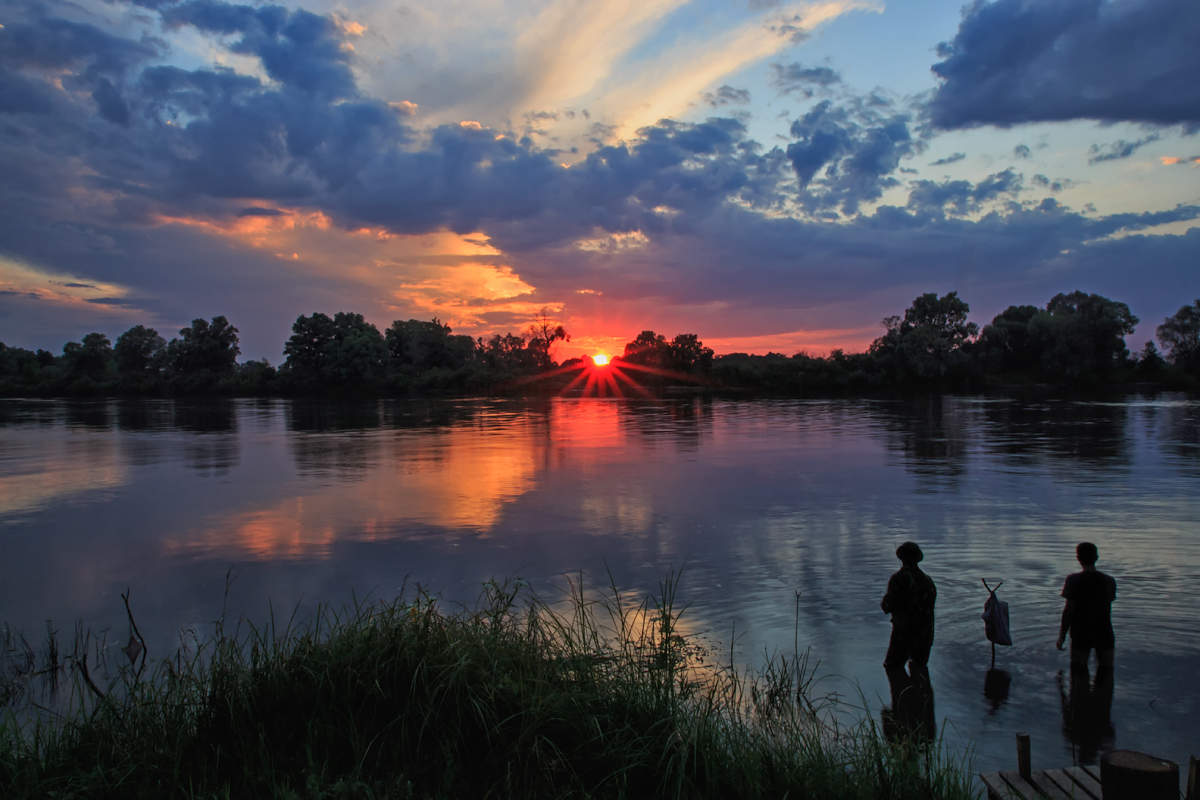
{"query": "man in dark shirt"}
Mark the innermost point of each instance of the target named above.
(1088, 613)
(910, 598)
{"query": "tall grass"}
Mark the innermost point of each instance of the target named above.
(406, 699)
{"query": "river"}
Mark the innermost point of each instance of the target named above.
(752, 501)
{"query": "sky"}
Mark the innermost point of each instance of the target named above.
(771, 176)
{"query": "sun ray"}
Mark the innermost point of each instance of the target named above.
(582, 376)
(637, 387)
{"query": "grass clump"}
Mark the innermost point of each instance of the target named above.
(404, 699)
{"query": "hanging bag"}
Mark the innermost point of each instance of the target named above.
(995, 617)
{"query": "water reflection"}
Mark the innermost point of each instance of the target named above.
(931, 434)
(1088, 434)
(1087, 713)
(995, 688)
(89, 415)
(682, 423)
(145, 415)
(1182, 426)
(346, 457)
(759, 499)
(305, 416)
(911, 716)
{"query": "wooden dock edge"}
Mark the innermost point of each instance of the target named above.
(1069, 783)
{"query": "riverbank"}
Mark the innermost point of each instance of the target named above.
(407, 699)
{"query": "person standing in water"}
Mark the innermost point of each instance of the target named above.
(910, 598)
(1088, 613)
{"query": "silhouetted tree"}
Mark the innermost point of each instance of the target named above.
(927, 344)
(1008, 345)
(649, 349)
(688, 354)
(415, 346)
(1150, 364)
(1180, 337)
(543, 332)
(89, 358)
(1083, 335)
(345, 350)
(140, 351)
(507, 352)
(204, 346)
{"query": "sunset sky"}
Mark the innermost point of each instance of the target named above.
(767, 175)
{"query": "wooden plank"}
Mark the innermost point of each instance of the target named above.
(1047, 787)
(1093, 770)
(1023, 755)
(1018, 784)
(1085, 780)
(1064, 783)
(997, 789)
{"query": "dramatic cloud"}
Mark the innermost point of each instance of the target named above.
(1020, 61)
(264, 181)
(845, 156)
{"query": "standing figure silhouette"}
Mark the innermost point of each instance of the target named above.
(1087, 616)
(910, 598)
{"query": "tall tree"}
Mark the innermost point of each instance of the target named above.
(648, 349)
(543, 332)
(89, 358)
(205, 346)
(1180, 337)
(927, 344)
(507, 352)
(1008, 345)
(688, 354)
(1083, 335)
(345, 350)
(415, 346)
(139, 351)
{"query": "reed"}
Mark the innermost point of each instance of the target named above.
(511, 697)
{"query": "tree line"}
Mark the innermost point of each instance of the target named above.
(1075, 339)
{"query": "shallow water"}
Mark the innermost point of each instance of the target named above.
(754, 501)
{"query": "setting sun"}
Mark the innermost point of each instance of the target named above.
(600, 360)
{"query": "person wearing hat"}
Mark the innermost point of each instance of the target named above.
(910, 598)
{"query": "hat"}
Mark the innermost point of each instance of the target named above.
(909, 552)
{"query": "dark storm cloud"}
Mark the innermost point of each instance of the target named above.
(1118, 149)
(796, 77)
(89, 59)
(1017, 61)
(844, 156)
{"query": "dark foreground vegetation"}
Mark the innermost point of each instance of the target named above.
(511, 699)
(1075, 340)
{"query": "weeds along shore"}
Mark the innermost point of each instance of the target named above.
(513, 698)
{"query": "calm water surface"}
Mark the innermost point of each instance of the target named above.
(755, 500)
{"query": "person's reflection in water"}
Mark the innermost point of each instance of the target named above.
(995, 688)
(911, 717)
(1087, 713)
